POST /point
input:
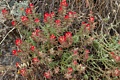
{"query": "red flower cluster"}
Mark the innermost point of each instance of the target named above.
(18, 42)
(116, 72)
(48, 15)
(47, 75)
(63, 39)
(13, 23)
(23, 71)
(36, 20)
(52, 37)
(32, 48)
(17, 64)
(63, 3)
(35, 60)
(115, 57)
(58, 22)
(28, 11)
(69, 70)
(24, 18)
(31, 5)
(71, 14)
(14, 52)
(4, 11)
(36, 32)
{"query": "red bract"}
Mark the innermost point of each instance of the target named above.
(116, 72)
(52, 14)
(19, 51)
(71, 13)
(18, 42)
(14, 52)
(64, 3)
(4, 11)
(13, 23)
(24, 18)
(32, 48)
(70, 70)
(47, 75)
(35, 60)
(92, 19)
(68, 34)
(62, 39)
(83, 23)
(46, 15)
(23, 72)
(28, 11)
(87, 25)
(31, 5)
(75, 52)
(60, 9)
(37, 30)
(66, 17)
(75, 62)
(87, 51)
(112, 53)
(57, 22)
(36, 20)
(17, 64)
(117, 58)
(52, 37)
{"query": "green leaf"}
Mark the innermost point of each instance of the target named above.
(75, 38)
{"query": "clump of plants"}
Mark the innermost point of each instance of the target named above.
(55, 47)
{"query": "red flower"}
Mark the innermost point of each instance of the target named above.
(14, 52)
(92, 19)
(71, 13)
(32, 48)
(36, 20)
(52, 37)
(66, 17)
(31, 5)
(28, 11)
(37, 30)
(19, 50)
(68, 34)
(57, 22)
(119, 42)
(117, 58)
(47, 75)
(116, 72)
(4, 11)
(18, 42)
(83, 23)
(24, 18)
(17, 64)
(70, 70)
(23, 72)
(75, 62)
(112, 53)
(60, 9)
(46, 15)
(35, 60)
(75, 52)
(87, 51)
(52, 14)
(87, 25)
(13, 23)
(63, 3)
(62, 39)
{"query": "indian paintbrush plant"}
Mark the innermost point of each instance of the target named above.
(76, 53)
